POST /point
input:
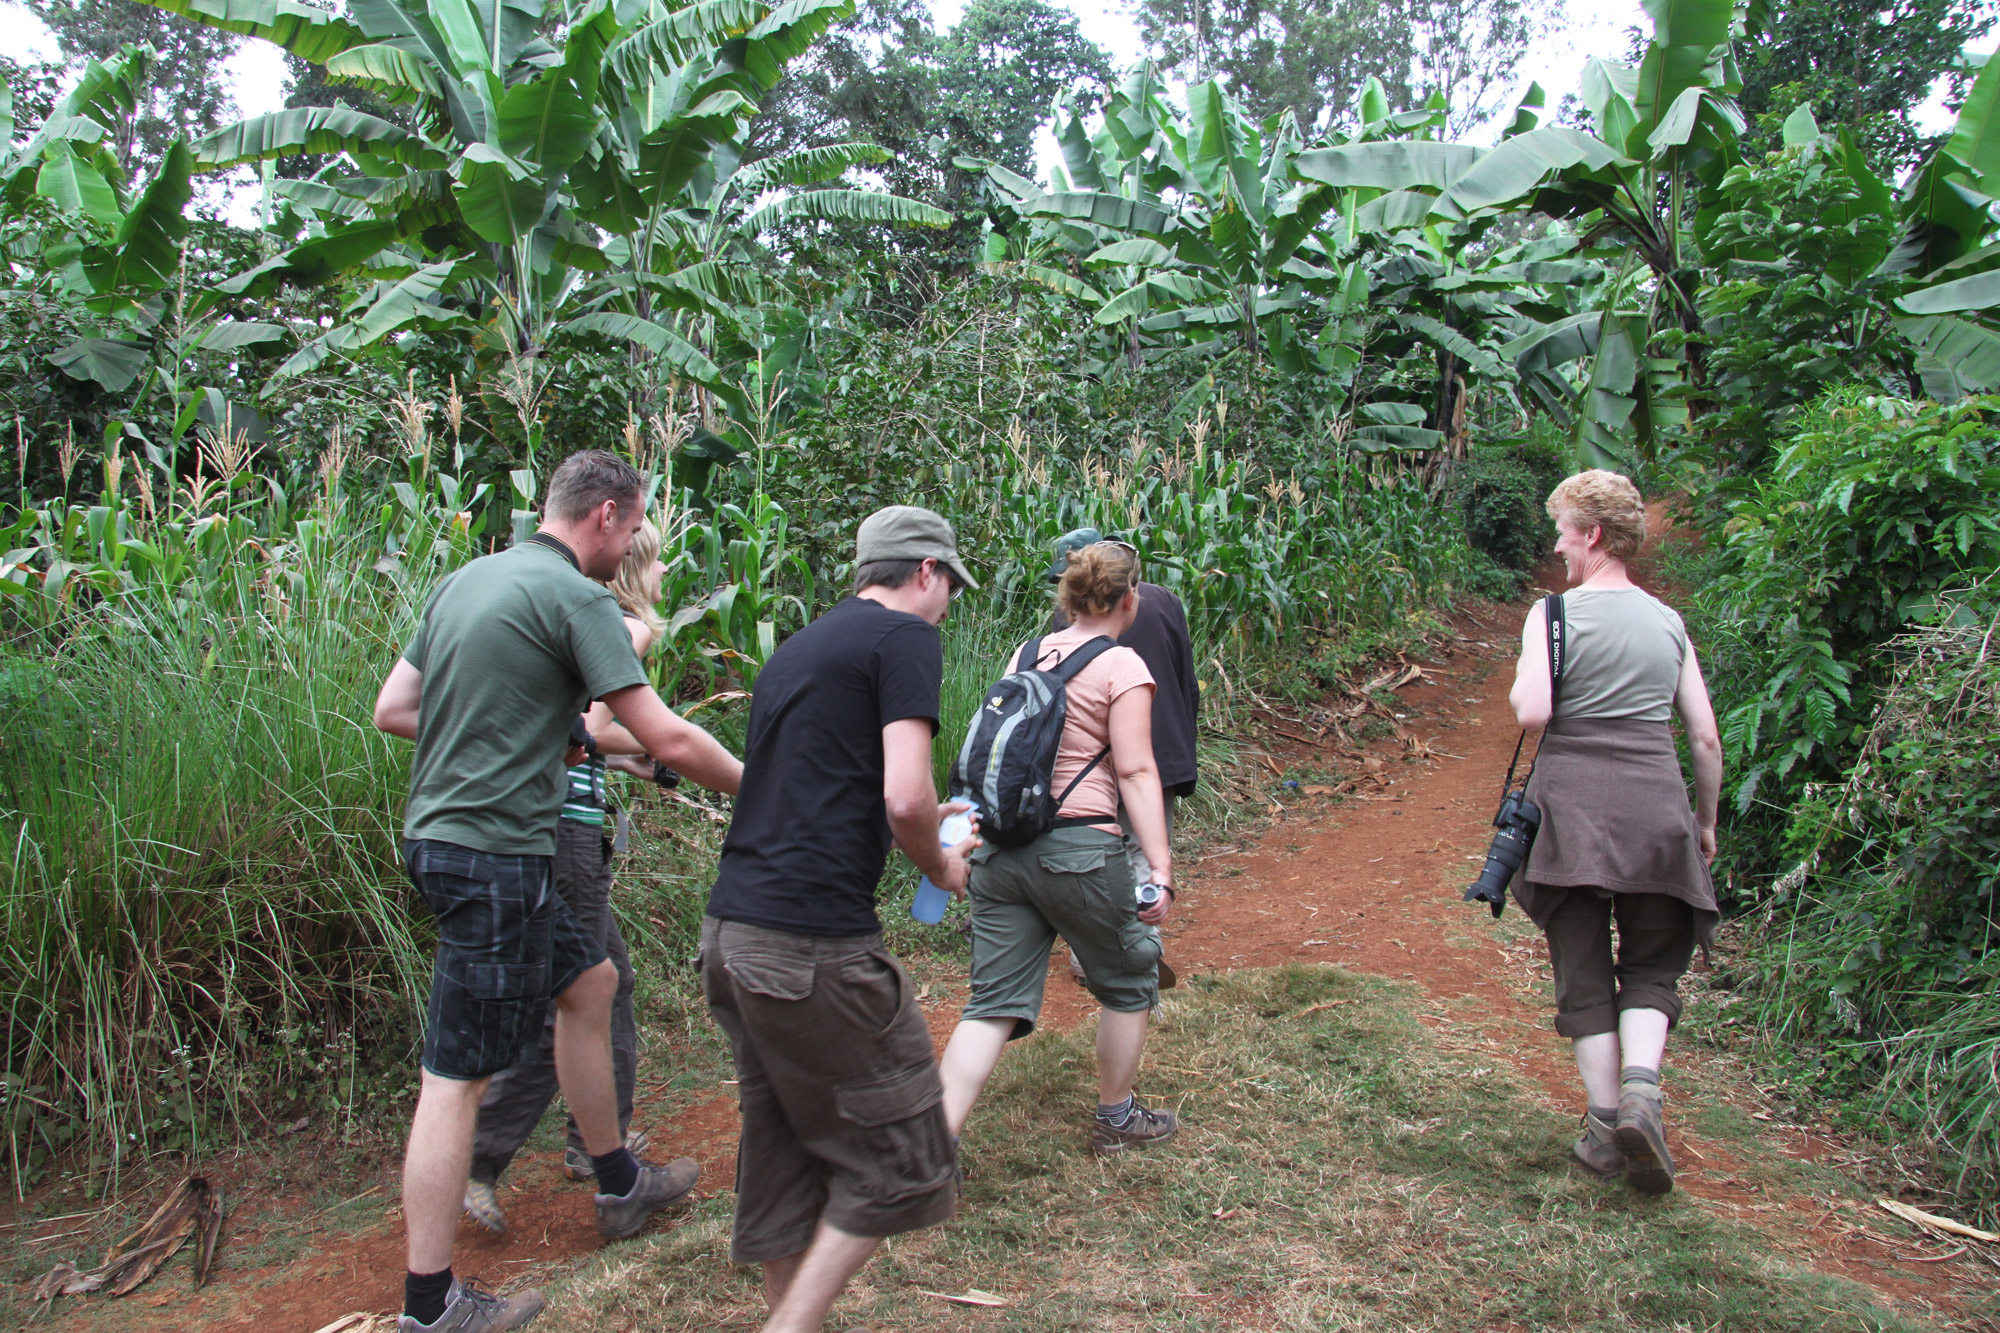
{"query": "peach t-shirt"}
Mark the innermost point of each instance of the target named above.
(1088, 728)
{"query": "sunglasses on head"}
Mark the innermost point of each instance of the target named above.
(1122, 545)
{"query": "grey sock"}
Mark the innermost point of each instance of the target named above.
(1120, 1115)
(1607, 1115)
(1639, 1074)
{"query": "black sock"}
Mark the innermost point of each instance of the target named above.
(617, 1172)
(424, 1295)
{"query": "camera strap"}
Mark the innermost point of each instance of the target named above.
(1556, 620)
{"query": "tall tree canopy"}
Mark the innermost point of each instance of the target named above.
(186, 93)
(1313, 56)
(980, 90)
(1865, 64)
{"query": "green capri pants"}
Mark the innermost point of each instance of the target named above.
(1072, 882)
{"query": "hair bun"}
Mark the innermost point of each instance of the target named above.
(1097, 579)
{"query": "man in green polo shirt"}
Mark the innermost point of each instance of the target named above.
(510, 649)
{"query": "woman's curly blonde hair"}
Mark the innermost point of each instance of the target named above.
(1603, 500)
(1097, 579)
(630, 584)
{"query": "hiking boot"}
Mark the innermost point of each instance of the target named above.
(1649, 1168)
(1597, 1149)
(576, 1162)
(482, 1205)
(470, 1309)
(619, 1216)
(1145, 1127)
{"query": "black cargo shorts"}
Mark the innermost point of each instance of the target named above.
(843, 1114)
(506, 943)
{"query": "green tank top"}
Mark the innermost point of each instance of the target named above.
(1626, 647)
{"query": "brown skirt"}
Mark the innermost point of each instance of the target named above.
(1615, 817)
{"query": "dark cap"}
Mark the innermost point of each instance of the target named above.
(1070, 543)
(907, 532)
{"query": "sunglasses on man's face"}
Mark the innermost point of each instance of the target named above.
(950, 579)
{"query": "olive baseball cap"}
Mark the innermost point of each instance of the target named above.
(907, 532)
(1070, 543)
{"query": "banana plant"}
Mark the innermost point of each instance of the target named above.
(111, 243)
(1659, 132)
(1949, 252)
(490, 214)
(1176, 225)
(701, 268)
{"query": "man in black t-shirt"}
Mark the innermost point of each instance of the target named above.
(844, 1139)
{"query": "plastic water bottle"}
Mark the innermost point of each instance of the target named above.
(929, 904)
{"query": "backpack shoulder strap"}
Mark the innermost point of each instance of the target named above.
(1557, 622)
(1065, 670)
(1025, 660)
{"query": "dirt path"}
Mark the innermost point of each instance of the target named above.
(1374, 885)
(1369, 883)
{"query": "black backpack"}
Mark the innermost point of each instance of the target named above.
(1008, 761)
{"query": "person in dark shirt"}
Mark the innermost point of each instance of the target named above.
(1159, 635)
(843, 1140)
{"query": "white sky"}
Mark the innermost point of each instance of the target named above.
(1595, 28)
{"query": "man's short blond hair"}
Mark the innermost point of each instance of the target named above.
(1603, 500)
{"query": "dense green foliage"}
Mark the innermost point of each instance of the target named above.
(1876, 509)
(1878, 955)
(1280, 328)
(1502, 491)
(1845, 614)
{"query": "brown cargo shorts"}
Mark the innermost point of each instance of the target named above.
(838, 1082)
(1594, 982)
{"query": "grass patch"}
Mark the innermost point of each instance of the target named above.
(1336, 1170)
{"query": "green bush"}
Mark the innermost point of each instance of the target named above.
(1874, 508)
(1878, 956)
(1501, 492)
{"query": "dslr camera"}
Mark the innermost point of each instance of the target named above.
(1517, 822)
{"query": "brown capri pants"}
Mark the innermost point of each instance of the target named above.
(1655, 946)
(843, 1114)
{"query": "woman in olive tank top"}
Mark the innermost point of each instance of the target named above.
(1618, 841)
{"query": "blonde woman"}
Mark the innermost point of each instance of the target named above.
(1617, 841)
(1076, 880)
(518, 1096)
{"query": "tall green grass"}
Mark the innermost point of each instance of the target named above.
(201, 880)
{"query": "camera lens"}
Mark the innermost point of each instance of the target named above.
(1503, 859)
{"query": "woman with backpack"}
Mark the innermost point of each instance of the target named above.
(1074, 879)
